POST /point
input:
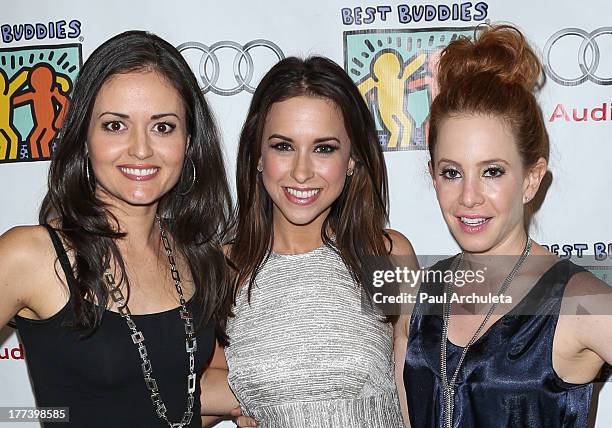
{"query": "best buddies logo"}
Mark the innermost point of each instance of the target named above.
(596, 258)
(35, 87)
(40, 31)
(600, 251)
(36, 83)
(395, 71)
(405, 13)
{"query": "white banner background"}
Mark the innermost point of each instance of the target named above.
(576, 205)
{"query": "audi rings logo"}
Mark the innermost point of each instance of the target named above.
(589, 56)
(244, 64)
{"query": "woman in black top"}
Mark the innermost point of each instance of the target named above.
(117, 295)
(530, 361)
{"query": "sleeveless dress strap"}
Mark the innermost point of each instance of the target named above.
(61, 254)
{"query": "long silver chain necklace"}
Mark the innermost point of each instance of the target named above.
(449, 387)
(138, 338)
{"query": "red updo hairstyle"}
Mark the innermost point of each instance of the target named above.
(494, 75)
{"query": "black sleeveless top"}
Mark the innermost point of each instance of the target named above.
(100, 378)
(507, 378)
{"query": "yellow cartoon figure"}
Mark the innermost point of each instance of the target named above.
(389, 80)
(9, 140)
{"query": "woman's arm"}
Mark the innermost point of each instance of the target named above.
(583, 338)
(403, 249)
(217, 398)
(400, 341)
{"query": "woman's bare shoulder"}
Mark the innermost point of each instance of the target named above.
(400, 245)
(25, 243)
(27, 264)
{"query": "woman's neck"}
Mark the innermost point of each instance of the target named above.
(292, 238)
(137, 222)
(513, 244)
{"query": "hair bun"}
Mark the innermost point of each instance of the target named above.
(500, 50)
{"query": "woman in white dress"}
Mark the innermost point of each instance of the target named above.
(306, 347)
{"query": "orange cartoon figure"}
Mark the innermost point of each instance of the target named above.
(43, 93)
(389, 77)
(9, 140)
(429, 80)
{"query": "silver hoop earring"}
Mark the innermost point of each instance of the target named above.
(193, 179)
(88, 174)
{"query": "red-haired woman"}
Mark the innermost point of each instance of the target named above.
(524, 362)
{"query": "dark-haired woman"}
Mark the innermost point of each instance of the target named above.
(304, 350)
(125, 280)
(527, 361)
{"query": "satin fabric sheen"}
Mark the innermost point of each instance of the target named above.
(507, 378)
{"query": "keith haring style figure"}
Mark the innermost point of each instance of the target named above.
(9, 139)
(46, 89)
(389, 78)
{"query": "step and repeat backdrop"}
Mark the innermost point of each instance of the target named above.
(231, 44)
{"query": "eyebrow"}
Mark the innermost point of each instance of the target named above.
(127, 116)
(484, 162)
(317, 140)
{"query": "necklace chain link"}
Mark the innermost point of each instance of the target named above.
(138, 338)
(448, 392)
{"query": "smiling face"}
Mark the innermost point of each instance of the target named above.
(481, 183)
(305, 156)
(137, 138)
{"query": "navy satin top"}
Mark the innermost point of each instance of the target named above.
(507, 378)
(99, 377)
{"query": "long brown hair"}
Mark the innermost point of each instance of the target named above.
(357, 218)
(196, 220)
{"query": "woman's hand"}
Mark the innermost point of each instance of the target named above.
(243, 421)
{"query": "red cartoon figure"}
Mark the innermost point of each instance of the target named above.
(429, 80)
(9, 140)
(46, 91)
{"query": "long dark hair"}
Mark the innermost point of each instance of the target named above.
(358, 217)
(195, 220)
